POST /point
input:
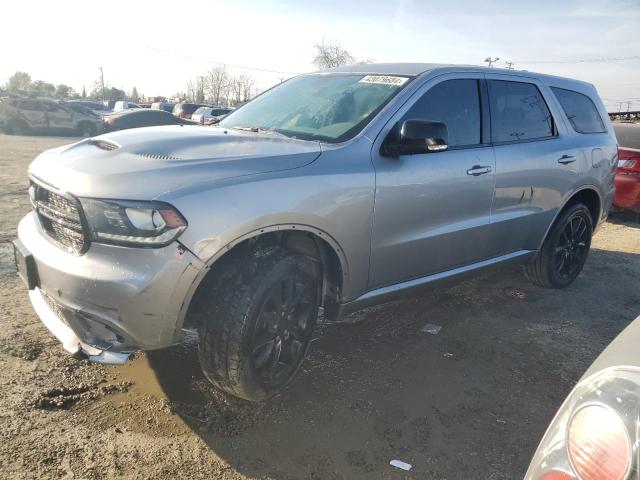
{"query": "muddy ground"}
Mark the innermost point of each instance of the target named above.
(470, 402)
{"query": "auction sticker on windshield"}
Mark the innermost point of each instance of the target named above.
(384, 79)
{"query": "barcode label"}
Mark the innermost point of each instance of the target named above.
(384, 80)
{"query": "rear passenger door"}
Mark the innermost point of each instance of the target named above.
(536, 161)
(60, 119)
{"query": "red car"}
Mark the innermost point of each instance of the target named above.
(628, 172)
(628, 179)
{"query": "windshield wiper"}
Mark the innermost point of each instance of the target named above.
(259, 130)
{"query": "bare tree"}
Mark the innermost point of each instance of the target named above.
(248, 83)
(217, 84)
(235, 89)
(192, 91)
(331, 54)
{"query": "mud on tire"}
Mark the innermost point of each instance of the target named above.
(256, 321)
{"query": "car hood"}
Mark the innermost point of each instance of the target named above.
(143, 163)
(623, 351)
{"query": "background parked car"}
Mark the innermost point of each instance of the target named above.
(167, 107)
(185, 110)
(98, 108)
(22, 116)
(594, 435)
(142, 118)
(122, 105)
(204, 115)
(628, 173)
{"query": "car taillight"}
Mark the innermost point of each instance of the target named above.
(595, 434)
(598, 444)
(201, 119)
(626, 163)
(557, 475)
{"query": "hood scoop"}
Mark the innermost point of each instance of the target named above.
(158, 156)
(103, 144)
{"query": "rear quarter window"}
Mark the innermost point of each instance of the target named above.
(34, 105)
(580, 110)
(518, 112)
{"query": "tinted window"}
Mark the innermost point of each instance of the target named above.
(518, 112)
(30, 105)
(455, 103)
(580, 111)
(52, 107)
(189, 108)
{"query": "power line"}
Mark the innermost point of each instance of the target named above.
(585, 60)
(243, 67)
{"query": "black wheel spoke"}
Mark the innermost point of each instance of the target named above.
(275, 359)
(561, 264)
(263, 353)
(581, 230)
(283, 328)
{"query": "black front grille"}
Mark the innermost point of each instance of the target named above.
(60, 218)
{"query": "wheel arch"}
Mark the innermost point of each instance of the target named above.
(589, 196)
(298, 238)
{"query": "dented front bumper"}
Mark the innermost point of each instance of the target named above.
(110, 301)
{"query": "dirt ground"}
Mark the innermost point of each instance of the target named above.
(470, 402)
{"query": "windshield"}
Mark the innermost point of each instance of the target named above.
(331, 108)
(202, 110)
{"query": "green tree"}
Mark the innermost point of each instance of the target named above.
(64, 92)
(135, 98)
(18, 82)
(41, 88)
(84, 92)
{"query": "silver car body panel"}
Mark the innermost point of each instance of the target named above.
(395, 223)
(113, 295)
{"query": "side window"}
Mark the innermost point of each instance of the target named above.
(580, 110)
(33, 105)
(456, 103)
(51, 107)
(518, 112)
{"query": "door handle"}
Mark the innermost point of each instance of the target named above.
(478, 170)
(564, 159)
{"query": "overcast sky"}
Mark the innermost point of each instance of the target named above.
(159, 45)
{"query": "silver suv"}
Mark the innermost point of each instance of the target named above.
(334, 190)
(43, 116)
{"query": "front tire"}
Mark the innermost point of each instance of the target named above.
(258, 323)
(16, 127)
(565, 250)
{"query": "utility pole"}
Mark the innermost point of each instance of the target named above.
(102, 82)
(509, 65)
(490, 61)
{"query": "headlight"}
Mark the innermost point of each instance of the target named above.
(124, 222)
(594, 435)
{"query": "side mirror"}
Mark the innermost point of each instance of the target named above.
(415, 136)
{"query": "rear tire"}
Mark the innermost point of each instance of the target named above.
(565, 250)
(86, 129)
(258, 319)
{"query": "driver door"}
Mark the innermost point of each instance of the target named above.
(433, 210)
